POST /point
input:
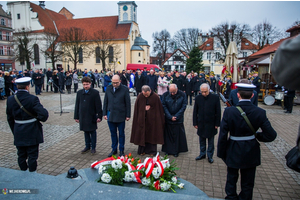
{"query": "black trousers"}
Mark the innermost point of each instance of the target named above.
(29, 153)
(75, 87)
(247, 183)
(288, 101)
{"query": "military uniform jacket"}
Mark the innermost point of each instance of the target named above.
(246, 153)
(207, 115)
(29, 133)
(116, 104)
(213, 82)
(88, 108)
(256, 81)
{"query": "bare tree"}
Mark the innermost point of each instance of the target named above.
(52, 49)
(24, 51)
(226, 33)
(162, 42)
(75, 44)
(265, 33)
(186, 39)
(106, 49)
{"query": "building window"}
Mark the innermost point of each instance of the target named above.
(178, 58)
(18, 16)
(36, 54)
(7, 36)
(218, 55)
(97, 54)
(80, 55)
(8, 51)
(125, 17)
(244, 54)
(0, 35)
(208, 55)
(139, 54)
(3, 22)
(111, 54)
(1, 51)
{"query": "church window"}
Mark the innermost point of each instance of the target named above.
(36, 54)
(111, 54)
(125, 17)
(80, 55)
(97, 54)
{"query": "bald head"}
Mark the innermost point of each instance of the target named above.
(116, 81)
(173, 89)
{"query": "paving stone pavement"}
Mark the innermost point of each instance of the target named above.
(64, 141)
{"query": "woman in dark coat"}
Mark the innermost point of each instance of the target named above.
(188, 88)
(8, 84)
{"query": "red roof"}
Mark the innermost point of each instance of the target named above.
(250, 45)
(95, 24)
(205, 45)
(269, 48)
(46, 17)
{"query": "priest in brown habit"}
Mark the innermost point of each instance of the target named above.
(148, 122)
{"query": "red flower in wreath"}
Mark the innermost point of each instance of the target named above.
(156, 185)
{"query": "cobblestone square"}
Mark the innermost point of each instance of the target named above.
(63, 142)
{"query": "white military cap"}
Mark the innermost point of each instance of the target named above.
(245, 86)
(23, 81)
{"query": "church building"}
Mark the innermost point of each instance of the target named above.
(128, 45)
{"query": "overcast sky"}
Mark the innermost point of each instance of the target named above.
(154, 16)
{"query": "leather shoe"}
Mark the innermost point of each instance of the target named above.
(122, 153)
(210, 160)
(93, 151)
(287, 112)
(200, 157)
(175, 155)
(112, 153)
(85, 150)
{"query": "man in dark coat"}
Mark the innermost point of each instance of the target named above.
(152, 80)
(148, 122)
(288, 100)
(206, 119)
(174, 103)
(61, 80)
(188, 88)
(139, 81)
(49, 77)
(256, 81)
(178, 81)
(88, 112)
(116, 110)
(124, 80)
(241, 151)
(213, 81)
(26, 127)
(234, 100)
(196, 84)
(37, 79)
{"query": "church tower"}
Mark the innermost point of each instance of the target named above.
(127, 12)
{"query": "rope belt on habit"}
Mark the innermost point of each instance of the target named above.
(25, 121)
(251, 137)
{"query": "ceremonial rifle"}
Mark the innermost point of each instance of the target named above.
(224, 100)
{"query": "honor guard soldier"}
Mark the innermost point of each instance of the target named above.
(24, 115)
(240, 151)
(227, 86)
(256, 81)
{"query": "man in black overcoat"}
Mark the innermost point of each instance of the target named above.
(206, 119)
(116, 109)
(196, 84)
(37, 79)
(241, 151)
(61, 80)
(26, 128)
(49, 77)
(188, 88)
(139, 81)
(178, 81)
(88, 112)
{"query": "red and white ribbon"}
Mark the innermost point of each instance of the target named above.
(106, 161)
